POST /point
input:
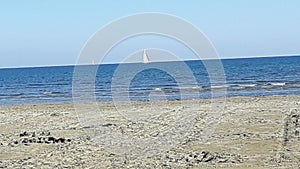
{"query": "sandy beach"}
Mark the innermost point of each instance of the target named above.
(253, 132)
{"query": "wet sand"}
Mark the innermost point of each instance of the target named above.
(253, 132)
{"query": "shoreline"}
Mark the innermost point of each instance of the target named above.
(253, 132)
(141, 101)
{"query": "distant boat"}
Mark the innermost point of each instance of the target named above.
(145, 58)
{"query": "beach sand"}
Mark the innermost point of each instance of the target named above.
(253, 132)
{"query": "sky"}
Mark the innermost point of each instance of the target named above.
(39, 33)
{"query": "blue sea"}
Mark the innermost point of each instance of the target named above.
(244, 77)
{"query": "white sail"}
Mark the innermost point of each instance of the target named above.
(145, 58)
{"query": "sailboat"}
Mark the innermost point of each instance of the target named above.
(145, 58)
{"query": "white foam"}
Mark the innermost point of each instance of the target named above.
(191, 88)
(157, 89)
(278, 84)
(247, 85)
(197, 87)
(218, 87)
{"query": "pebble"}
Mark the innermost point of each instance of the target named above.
(28, 138)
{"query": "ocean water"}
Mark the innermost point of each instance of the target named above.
(244, 77)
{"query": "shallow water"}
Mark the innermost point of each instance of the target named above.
(244, 77)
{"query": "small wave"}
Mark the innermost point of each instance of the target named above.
(277, 83)
(16, 94)
(261, 81)
(12, 95)
(190, 88)
(247, 85)
(50, 93)
(36, 84)
(219, 86)
(273, 85)
(178, 88)
(157, 89)
(59, 84)
(197, 87)
(243, 86)
(295, 86)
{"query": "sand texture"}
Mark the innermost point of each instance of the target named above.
(253, 132)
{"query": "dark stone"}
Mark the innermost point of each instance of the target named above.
(62, 140)
(198, 161)
(47, 142)
(24, 134)
(207, 157)
(45, 133)
(108, 125)
(205, 153)
(296, 133)
(294, 115)
(111, 154)
(25, 140)
(210, 158)
(52, 139)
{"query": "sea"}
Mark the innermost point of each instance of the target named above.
(263, 76)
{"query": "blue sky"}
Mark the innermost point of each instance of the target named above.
(35, 33)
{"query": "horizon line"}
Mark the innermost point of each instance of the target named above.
(109, 63)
